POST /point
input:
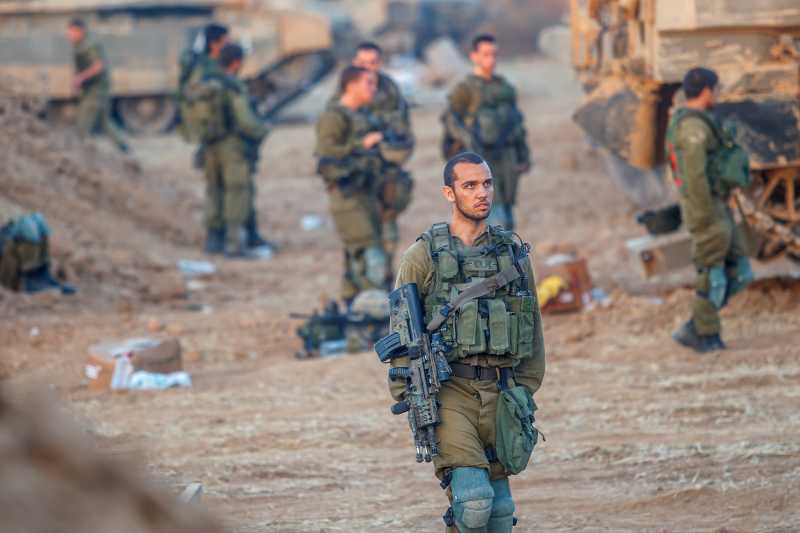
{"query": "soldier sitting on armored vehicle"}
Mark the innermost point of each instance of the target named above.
(707, 165)
(93, 82)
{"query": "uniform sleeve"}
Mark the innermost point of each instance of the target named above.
(247, 123)
(459, 98)
(415, 267)
(530, 372)
(332, 137)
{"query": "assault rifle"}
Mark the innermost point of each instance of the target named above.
(325, 333)
(426, 371)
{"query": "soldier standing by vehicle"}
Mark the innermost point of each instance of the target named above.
(493, 343)
(225, 123)
(390, 112)
(706, 166)
(482, 116)
(93, 82)
(349, 163)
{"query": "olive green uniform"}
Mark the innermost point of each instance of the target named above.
(389, 114)
(350, 173)
(94, 106)
(482, 116)
(716, 240)
(22, 251)
(468, 407)
(229, 175)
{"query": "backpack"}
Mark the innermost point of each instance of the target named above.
(204, 111)
(728, 169)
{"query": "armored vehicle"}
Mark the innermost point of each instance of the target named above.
(631, 56)
(288, 50)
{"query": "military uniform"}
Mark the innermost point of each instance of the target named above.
(389, 114)
(228, 171)
(94, 107)
(25, 255)
(502, 330)
(350, 173)
(718, 249)
(483, 117)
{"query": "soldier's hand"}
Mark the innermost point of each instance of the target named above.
(523, 168)
(371, 139)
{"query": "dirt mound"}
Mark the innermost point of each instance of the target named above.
(52, 481)
(104, 211)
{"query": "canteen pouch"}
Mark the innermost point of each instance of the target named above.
(515, 435)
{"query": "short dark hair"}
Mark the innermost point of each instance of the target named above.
(77, 23)
(482, 38)
(697, 79)
(369, 46)
(464, 157)
(349, 75)
(230, 52)
(214, 32)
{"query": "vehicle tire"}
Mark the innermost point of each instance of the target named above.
(147, 115)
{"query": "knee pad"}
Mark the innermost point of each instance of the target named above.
(375, 266)
(472, 499)
(718, 286)
(742, 276)
(502, 517)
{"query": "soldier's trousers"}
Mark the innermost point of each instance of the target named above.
(94, 112)
(506, 182)
(19, 257)
(468, 412)
(357, 222)
(719, 244)
(229, 187)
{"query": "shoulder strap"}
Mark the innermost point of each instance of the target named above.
(686, 113)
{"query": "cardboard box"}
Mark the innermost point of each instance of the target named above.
(575, 271)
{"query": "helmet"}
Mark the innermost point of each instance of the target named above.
(373, 303)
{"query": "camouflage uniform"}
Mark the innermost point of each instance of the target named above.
(718, 249)
(467, 432)
(471, 101)
(94, 107)
(229, 175)
(350, 174)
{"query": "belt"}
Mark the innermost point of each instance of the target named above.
(481, 373)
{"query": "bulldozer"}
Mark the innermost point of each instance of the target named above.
(288, 51)
(630, 57)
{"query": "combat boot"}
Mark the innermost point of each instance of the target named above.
(253, 238)
(236, 246)
(687, 335)
(215, 241)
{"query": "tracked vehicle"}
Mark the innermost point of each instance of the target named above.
(631, 56)
(289, 50)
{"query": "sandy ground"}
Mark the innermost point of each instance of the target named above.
(641, 435)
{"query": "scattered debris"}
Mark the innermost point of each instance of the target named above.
(566, 284)
(192, 493)
(311, 222)
(190, 268)
(111, 365)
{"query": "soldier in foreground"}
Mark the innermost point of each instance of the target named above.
(227, 129)
(477, 291)
(707, 166)
(390, 113)
(93, 82)
(349, 163)
(482, 116)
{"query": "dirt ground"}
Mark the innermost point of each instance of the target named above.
(641, 434)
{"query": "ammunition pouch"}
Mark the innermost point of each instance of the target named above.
(396, 190)
(515, 435)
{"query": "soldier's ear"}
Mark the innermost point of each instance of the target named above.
(449, 193)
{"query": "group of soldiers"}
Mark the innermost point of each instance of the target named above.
(364, 138)
(492, 340)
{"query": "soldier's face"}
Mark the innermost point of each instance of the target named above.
(74, 34)
(364, 89)
(472, 191)
(368, 59)
(485, 57)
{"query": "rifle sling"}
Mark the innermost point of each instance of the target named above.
(481, 288)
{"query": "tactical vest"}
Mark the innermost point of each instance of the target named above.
(496, 121)
(354, 170)
(204, 111)
(500, 323)
(726, 169)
